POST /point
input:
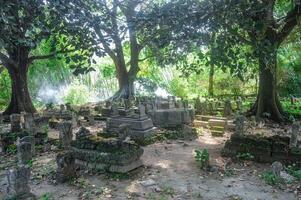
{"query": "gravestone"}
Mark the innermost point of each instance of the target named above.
(29, 126)
(142, 113)
(18, 183)
(277, 167)
(91, 120)
(239, 124)
(24, 152)
(294, 135)
(124, 131)
(65, 134)
(82, 133)
(15, 120)
(227, 108)
(65, 167)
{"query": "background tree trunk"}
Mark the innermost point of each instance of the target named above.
(20, 98)
(211, 76)
(267, 103)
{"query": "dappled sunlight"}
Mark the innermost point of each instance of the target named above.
(164, 164)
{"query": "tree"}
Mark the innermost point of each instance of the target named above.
(24, 25)
(116, 25)
(260, 25)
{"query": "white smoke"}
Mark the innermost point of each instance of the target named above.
(51, 94)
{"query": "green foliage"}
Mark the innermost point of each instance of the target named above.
(5, 88)
(30, 163)
(46, 196)
(202, 158)
(11, 149)
(292, 110)
(270, 178)
(178, 88)
(77, 94)
(294, 170)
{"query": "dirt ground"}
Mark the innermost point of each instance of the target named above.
(169, 172)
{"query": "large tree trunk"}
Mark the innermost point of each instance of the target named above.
(211, 76)
(267, 103)
(126, 88)
(126, 84)
(20, 98)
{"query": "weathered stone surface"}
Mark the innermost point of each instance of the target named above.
(170, 118)
(65, 134)
(65, 167)
(18, 187)
(277, 167)
(139, 129)
(126, 168)
(29, 139)
(294, 135)
(239, 124)
(15, 121)
(227, 108)
(82, 133)
(24, 152)
(106, 154)
(264, 149)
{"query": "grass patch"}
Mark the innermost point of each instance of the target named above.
(270, 179)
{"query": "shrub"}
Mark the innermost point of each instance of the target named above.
(202, 158)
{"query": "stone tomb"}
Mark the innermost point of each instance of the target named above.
(18, 183)
(106, 154)
(263, 148)
(171, 113)
(140, 125)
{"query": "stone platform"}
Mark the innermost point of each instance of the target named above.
(139, 128)
(106, 154)
(263, 149)
(168, 118)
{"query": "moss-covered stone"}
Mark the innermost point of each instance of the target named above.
(264, 149)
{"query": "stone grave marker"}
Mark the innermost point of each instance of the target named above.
(294, 135)
(18, 183)
(65, 134)
(15, 120)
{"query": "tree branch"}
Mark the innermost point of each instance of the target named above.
(7, 62)
(51, 55)
(289, 23)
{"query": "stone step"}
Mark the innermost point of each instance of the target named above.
(217, 133)
(230, 126)
(217, 122)
(208, 117)
(198, 123)
(217, 128)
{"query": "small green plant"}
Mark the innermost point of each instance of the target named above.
(229, 172)
(294, 170)
(45, 128)
(167, 190)
(11, 149)
(46, 196)
(270, 178)
(202, 158)
(30, 163)
(244, 156)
